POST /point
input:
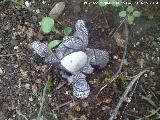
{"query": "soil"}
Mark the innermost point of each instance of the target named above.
(23, 74)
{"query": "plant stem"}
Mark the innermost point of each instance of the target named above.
(43, 99)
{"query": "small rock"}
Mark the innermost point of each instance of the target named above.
(1, 71)
(85, 104)
(15, 47)
(37, 11)
(77, 108)
(57, 10)
(27, 86)
(30, 99)
(72, 104)
(27, 4)
(43, 2)
(152, 73)
(34, 89)
(145, 75)
(108, 100)
(83, 117)
(115, 57)
(38, 81)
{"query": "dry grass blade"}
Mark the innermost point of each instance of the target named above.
(123, 60)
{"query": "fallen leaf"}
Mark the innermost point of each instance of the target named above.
(34, 89)
(120, 42)
(30, 32)
(57, 10)
(140, 62)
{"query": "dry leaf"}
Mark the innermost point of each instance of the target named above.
(120, 42)
(57, 10)
(140, 62)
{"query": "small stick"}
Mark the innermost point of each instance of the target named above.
(20, 114)
(117, 28)
(124, 55)
(130, 85)
(61, 105)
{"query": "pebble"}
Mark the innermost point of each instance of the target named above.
(38, 81)
(85, 104)
(43, 2)
(115, 57)
(27, 86)
(27, 3)
(1, 71)
(77, 108)
(37, 11)
(34, 89)
(15, 47)
(72, 104)
(145, 75)
(83, 117)
(30, 99)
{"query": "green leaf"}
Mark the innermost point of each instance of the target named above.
(67, 31)
(130, 9)
(116, 3)
(102, 3)
(122, 14)
(47, 24)
(49, 86)
(136, 13)
(54, 43)
(130, 19)
(20, 2)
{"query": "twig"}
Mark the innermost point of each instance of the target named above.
(117, 28)
(7, 55)
(149, 100)
(20, 114)
(62, 105)
(136, 77)
(124, 55)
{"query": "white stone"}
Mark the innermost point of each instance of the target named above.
(74, 61)
(27, 4)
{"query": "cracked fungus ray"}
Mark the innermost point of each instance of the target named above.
(65, 52)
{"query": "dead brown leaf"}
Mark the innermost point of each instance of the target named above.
(120, 42)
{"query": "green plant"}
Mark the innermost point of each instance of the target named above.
(121, 76)
(152, 116)
(54, 43)
(115, 3)
(47, 87)
(129, 14)
(107, 76)
(47, 24)
(67, 31)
